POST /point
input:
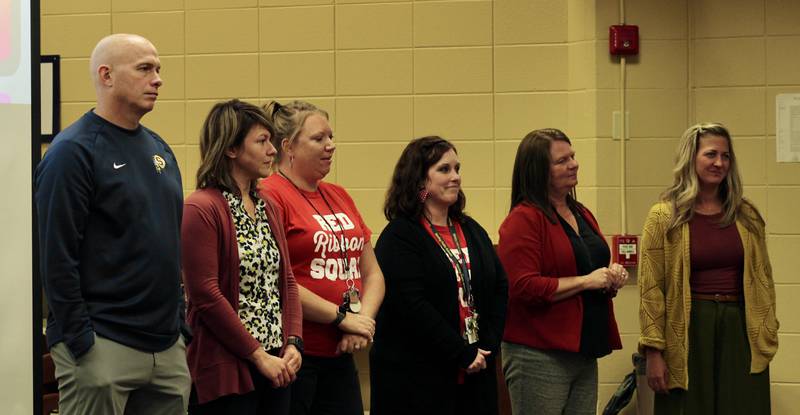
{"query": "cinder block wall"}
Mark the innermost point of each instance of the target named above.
(483, 73)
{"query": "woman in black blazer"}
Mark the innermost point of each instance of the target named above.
(441, 322)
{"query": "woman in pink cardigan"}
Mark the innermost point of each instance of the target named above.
(243, 306)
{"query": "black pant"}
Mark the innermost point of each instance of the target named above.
(264, 399)
(327, 386)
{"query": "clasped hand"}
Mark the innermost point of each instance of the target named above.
(612, 277)
(358, 324)
(358, 331)
(280, 372)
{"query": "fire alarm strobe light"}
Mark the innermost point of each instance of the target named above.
(623, 40)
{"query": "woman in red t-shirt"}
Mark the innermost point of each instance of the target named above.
(341, 285)
(440, 326)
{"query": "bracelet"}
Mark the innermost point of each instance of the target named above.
(340, 315)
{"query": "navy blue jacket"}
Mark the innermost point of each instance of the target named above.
(109, 204)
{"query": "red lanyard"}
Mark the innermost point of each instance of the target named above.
(460, 262)
(342, 241)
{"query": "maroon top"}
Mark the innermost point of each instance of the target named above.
(217, 356)
(535, 253)
(717, 256)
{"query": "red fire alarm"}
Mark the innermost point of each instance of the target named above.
(623, 40)
(626, 250)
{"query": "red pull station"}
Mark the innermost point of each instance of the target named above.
(625, 250)
(623, 40)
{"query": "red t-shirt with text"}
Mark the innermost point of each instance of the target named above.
(314, 238)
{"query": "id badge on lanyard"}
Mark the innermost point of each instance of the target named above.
(351, 299)
(471, 328)
(462, 272)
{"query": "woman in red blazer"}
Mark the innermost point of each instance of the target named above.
(560, 314)
(243, 306)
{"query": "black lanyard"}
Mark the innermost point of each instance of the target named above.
(460, 262)
(342, 240)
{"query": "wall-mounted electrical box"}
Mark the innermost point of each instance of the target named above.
(623, 40)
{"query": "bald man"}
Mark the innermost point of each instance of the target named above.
(109, 199)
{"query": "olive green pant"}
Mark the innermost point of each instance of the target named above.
(719, 367)
(114, 379)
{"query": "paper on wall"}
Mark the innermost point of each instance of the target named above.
(788, 128)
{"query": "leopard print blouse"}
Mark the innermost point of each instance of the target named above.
(259, 259)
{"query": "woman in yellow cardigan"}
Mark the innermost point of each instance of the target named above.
(707, 310)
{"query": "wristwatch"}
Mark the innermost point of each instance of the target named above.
(296, 342)
(340, 315)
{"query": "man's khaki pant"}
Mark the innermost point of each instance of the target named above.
(113, 379)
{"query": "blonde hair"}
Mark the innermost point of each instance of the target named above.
(682, 193)
(288, 121)
(225, 127)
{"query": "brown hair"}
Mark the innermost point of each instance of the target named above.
(225, 127)
(410, 175)
(530, 180)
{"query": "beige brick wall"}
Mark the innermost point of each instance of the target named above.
(483, 73)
